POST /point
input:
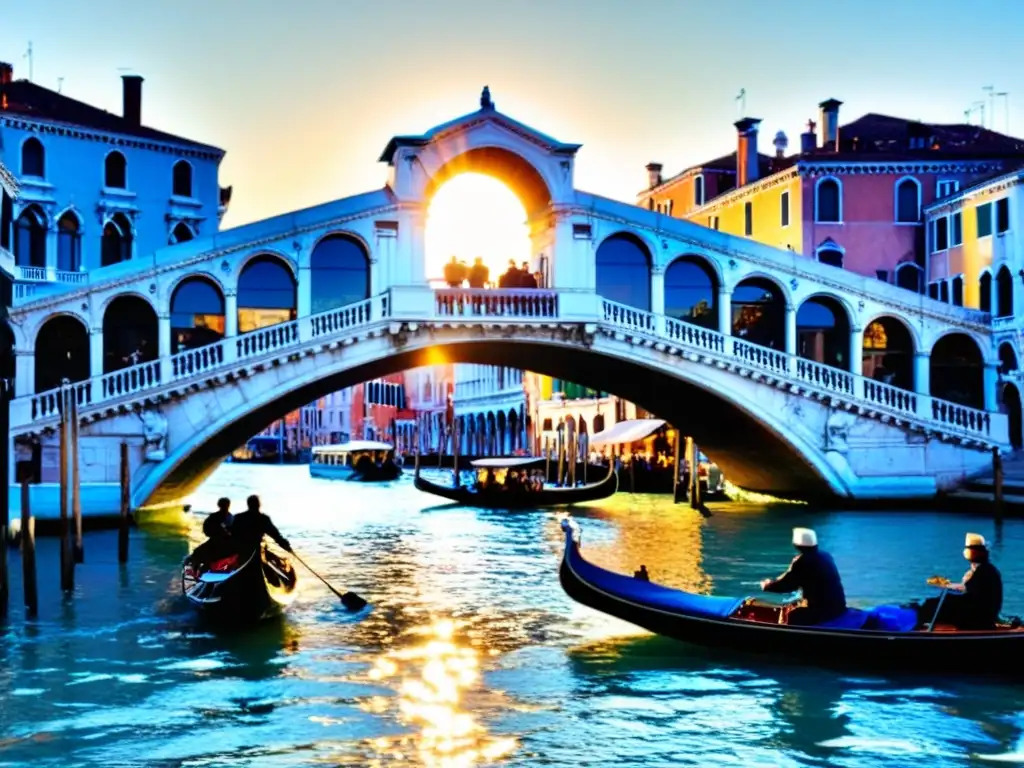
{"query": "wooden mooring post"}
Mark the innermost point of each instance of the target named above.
(28, 552)
(126, 503)
(76, 483)
(997, 483)
(547, 460)
(5, 596)
(695, 500)
(675, 468)
(67, 560)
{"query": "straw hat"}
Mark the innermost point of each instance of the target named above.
(804, 537)
(975, 540)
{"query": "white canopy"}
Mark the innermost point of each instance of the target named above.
(626, 432)
(354, 446)
(509, 463)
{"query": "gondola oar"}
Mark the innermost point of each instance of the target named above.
(350, 600)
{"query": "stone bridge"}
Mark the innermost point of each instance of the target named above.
(188, 351)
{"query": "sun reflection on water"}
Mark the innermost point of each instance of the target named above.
(433, 679)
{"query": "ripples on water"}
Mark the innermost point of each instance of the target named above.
(472, 654)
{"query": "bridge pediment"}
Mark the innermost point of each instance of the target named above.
(536, 166)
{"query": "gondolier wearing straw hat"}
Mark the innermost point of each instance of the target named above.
(814, 573)
(977, 600)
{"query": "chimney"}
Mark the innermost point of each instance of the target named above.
(830, 124)
(747, 159)
(132, 109)
(781, 144)
(808, 139)
(653, 175)
(6, 73)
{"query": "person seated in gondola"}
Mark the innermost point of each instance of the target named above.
(642, 574)
(216, 528)
(249, 528)
(814, 573)
(974, 603)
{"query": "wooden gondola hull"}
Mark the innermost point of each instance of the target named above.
(257, 590)
(995, 652)
(551, 497)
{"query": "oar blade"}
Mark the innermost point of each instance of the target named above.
(353, 602)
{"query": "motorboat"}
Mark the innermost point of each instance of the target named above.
(365, 461)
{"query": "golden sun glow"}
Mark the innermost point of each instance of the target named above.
(475, 215)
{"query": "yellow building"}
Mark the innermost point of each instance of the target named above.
(974, 245)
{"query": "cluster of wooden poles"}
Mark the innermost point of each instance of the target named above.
(72, 549)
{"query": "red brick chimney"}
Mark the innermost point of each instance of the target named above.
(6, 73)
(653, 175)
(747, 160)
(132, 109)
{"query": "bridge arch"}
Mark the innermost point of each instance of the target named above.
(692, 285)
(1007, 358)
(759, 305)
(958, 370)
(340, 273)
(199, 274)
(131, 332)
(623, 262)
(823, 324)
(267, 290)
(198, 313)
(263, 253)
(25, 335)
(61, 351)
(528, 182)
(888, 350)
(773, 454)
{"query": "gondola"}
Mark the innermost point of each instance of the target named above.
(261, 587)
(886, 636)
(525, 499)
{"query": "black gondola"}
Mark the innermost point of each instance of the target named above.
(882, 637)
(518, 498)
(261, 587)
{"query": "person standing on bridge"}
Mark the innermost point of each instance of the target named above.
(813, 572)
(249, 528)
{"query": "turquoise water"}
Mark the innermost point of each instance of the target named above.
(472, 654)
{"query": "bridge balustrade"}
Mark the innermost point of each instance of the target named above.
(482, 302)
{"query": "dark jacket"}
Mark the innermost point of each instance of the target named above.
(815, 574)
(982, 600)
(249, 528)
(216, 526)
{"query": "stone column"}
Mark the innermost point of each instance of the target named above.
(790, 329)
(51, 251)
(990, 382)
(658, 299)
(856, 351)
(96, 360)
(922, 373)
(164, 346)
(24, 372)
(724, 311)
(305, 291)
(230, 314)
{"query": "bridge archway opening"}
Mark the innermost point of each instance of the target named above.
(888, 352)
(130, 333)
(691, 292)
(1012, 403)
(473, 216)
(623, 266)
(62, 352)
(1007, 358)
(957, 370)
(197, 314)
(267, 294)
(1004, 290)
(823, 332)
(759, 313)
(340, 270)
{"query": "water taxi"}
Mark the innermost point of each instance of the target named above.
(359, 460)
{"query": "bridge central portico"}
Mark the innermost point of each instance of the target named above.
(189, 350)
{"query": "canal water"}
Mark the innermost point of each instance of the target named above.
(472, 654)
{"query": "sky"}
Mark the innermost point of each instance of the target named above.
(304, 95)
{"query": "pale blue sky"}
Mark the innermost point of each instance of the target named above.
(304, 94)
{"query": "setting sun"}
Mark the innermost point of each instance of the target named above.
(475, 215)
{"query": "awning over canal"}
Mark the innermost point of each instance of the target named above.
(626, 432)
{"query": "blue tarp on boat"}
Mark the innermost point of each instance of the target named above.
(654, 595)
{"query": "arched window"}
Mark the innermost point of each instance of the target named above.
(909, 276)
(1011, 401)
(1004, 289)
(266, 294)
(831, 256)
(958, 291)
(33, 158)
(115, 171)
(691, 292)
(1007, 358)
(908, 201)
(340, 272)
(30, 238)
(624, 271)
(599, 423)
(181, 233)
(130, 333)
(759, 313)
(698, 190)
(823, 332)
(888, 353)
(985, 292)
(828, 201)
(61, 352)
(116, 243)
(69, 243)
(197, 314)
(957, 373)
(182, 181)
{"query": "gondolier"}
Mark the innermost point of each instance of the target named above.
(249, 528)
(814, 573)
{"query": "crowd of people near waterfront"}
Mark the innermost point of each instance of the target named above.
(458, 274)
(514, 481)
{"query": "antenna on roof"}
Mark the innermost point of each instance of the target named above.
(1005, 96)
(60, 84)
(28, 55)
(742, 100)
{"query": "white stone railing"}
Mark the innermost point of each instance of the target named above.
(525, 306)
(51, 275)
(862, 391)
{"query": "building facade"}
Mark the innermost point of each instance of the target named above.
(490, 408)
(98, 188)
(430, 393)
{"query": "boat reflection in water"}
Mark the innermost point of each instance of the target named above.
(434, 677)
